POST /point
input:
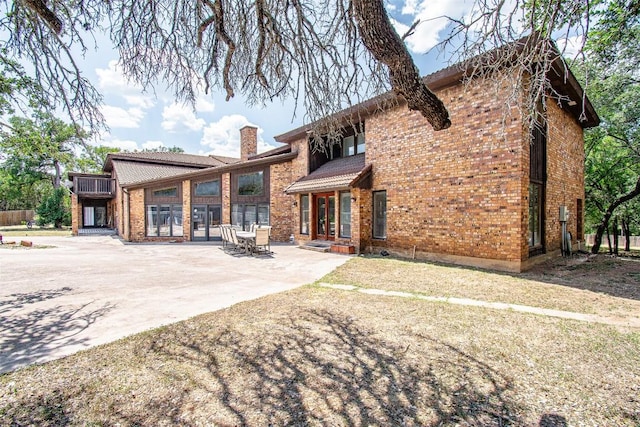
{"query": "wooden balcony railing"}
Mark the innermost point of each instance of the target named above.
(93, 185)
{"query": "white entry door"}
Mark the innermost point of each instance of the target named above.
(89, 219)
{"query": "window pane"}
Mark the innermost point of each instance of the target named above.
(236, 215)
(380, 214)
(361, 145)
(250, 184)
(209, 188)
(345, 214)
(166, 192)
(152, 220)
(348, 148)
(164, 220)
(177, 229)
(535, 231)
(249, 216)
(263, 214)
(304, 214)
(198, 221)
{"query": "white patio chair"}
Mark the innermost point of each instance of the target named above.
(224, 233)
(233, 240)
(262, 243)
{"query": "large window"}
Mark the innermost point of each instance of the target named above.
(352, 145)
(251, 184)
(380, 215)
(535, 215)
(243, 215)
(304, 214)
(209, 188)
(164, 220)
(345, 214)
(537, 180)
(166, 192)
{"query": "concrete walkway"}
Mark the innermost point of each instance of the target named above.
(91, 290)
(630, 322)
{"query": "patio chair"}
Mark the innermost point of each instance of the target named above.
(262, 241)
(224, 234)
(233, 240)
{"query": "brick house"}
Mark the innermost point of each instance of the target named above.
(485, 192)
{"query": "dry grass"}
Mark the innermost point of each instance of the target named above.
(23, 231)
(317, 356)
(598, 285)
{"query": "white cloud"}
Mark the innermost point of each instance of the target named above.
(111, 78)
(176, 117)
(571, 46)
(223, 137)
(112, 81)
(204, 106)
(141, 101)
(117, 117)
(409, 7)
(152, 145)
(431, 14)
(123, 144)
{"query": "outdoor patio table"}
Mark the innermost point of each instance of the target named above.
(246, 238)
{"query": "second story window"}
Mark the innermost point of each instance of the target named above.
(251, 184)
(209, 188)
(353, 144)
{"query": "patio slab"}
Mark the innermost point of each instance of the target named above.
(90, 290)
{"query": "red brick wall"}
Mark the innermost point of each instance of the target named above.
(457, 191)
(186, 209)
(281, 209)
(226, 198)
(76, 212)
(136, 215)
(565, 170)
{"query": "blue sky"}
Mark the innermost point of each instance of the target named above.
(140, 120)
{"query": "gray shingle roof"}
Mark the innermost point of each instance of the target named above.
(134, 172)
(334, 175)
(171, 158)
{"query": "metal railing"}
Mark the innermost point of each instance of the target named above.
(97, 185)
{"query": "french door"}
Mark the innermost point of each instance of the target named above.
(325, 207)
(205, 222)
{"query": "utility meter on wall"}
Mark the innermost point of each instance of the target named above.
(564, 214)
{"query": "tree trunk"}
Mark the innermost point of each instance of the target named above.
(615, 236)
(626, 229)
(597, 241)
(609, 238)
(381, 39)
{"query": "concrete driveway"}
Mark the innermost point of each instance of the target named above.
(86, 291)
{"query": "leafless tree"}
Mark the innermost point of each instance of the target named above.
(519, 35)
(324, 54)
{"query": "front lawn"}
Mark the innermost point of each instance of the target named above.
(328, 357)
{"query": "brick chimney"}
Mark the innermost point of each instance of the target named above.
(248, 142)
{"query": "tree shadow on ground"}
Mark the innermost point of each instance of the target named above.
(320, 368)
(28, 334)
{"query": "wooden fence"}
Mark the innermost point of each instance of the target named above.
(15, 217)
(633, 240)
